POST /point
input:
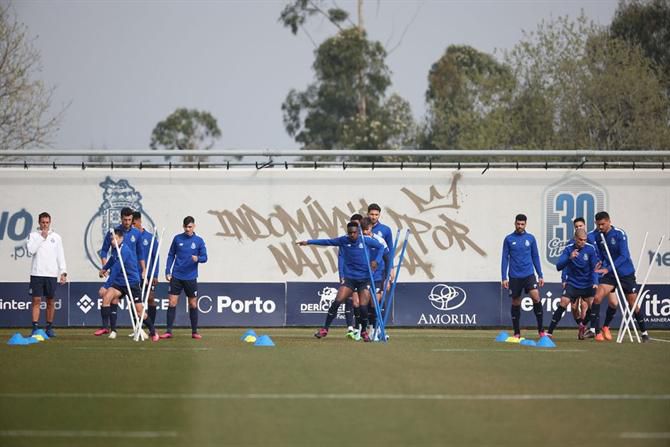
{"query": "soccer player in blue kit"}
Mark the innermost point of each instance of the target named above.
(119, 288)
(617, 243)
(181, 271)
(351, 304)
(357, 273)
(379, 230)
(145, 244)
(381, 273)
(132, 240)
(578, 262)
(520, 256)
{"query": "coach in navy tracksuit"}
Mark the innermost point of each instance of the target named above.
(520, 255)
(186, 252)
(578, 262)
(357, 272)
(617, 244)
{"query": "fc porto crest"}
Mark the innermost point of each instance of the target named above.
(572, 197)
(116, 195)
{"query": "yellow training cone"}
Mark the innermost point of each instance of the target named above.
(250, 339)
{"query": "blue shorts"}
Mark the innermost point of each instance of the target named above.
(518, 285)
(575, 293)
(189, 286)
(42, 286)
(357, 284)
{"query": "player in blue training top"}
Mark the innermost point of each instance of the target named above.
(119, 287)
(357, 273)
(519, 256)
(578, 262)
(145, 243)
(381, 274)
(593, 238)
(579, 307)
(132, 240)
(181, 271)
(379, 228)
(617, 243)
(351, 304)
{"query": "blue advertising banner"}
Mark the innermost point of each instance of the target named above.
(655, 306)
(435, 304)
(85, 305)
(219, 305)
(457, 304)
(307, 303)
(240, 304)
(16, 305)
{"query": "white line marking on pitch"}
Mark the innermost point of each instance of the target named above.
(85, 434)
(645, 435)
(660, 339)
(507, 350)
(342, 396)
(119, 348)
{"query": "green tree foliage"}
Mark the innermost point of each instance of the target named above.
(577, 88)
(647, 24)
(467, 94)
(25, 101)
(295, 14)
(186, 129)
(567, 85)
(346, 106)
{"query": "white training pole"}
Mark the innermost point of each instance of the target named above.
(640, 294)
(140, 315)
(145, 300)
(616, 276)
(624, 315)
(129, 295)
(639, 259)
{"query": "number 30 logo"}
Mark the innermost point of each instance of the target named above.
(564, 202)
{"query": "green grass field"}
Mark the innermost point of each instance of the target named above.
(424, 387)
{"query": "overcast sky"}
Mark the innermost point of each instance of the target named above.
(125, 65)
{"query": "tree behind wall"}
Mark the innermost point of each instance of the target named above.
(186, 129)
(25, 101)
(346, 106)
(647, 24)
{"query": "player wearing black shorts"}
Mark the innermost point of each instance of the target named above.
(125, 282)
(617, 244)
(520, 257)
(181, 271)
(578, 263)
(357, 273)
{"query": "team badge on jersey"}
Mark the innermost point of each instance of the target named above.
(192, 245)
(145, 242)
(527, 243)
